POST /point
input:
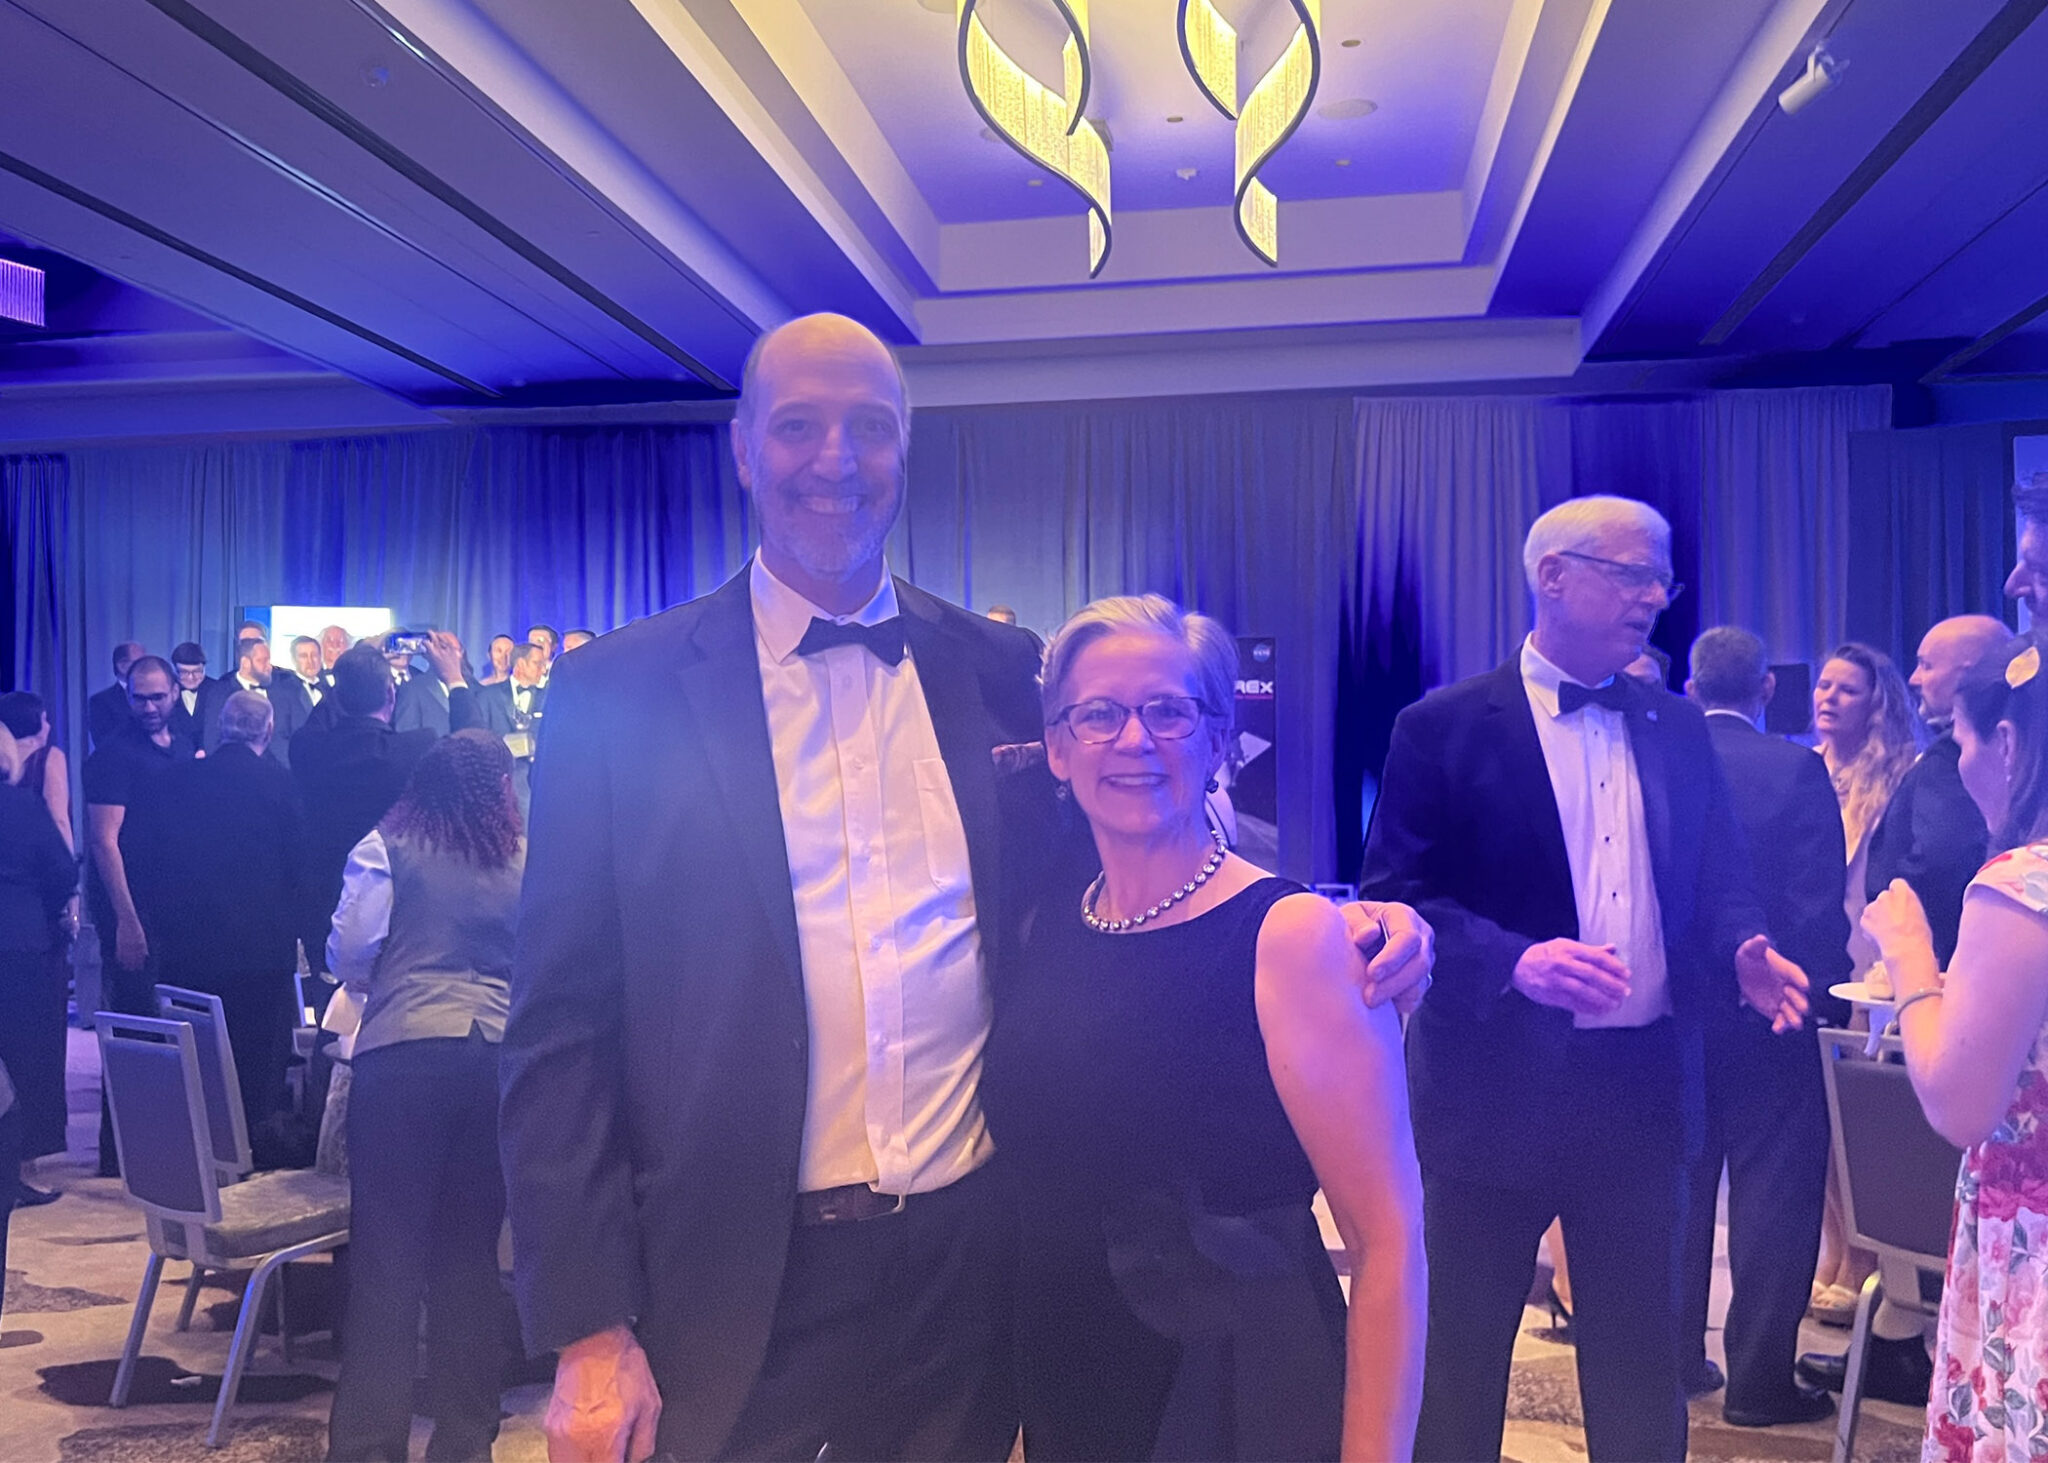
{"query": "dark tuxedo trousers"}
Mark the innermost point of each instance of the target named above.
(657, 1053)
(1519, 1117)
(1767, 1116)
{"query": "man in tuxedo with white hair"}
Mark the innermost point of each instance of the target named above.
(1568, 834)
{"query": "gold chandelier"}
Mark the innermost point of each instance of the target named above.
(1208, 43)
(1045, 125)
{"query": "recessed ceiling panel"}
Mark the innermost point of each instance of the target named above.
(1423, 65)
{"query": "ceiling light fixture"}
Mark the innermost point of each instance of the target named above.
(1047, 126)
(1275, 107)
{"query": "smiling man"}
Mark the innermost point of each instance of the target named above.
(776, 864)
(1570, 837)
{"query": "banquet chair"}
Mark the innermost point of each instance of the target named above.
(227, 1122)
(154, 1089)
(1898, 1180)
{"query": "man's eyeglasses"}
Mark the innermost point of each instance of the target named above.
(1635, 578)
(1167, 718)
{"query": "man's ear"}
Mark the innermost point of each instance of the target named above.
(745, 468)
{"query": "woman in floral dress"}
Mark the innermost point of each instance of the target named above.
(1978, 1054)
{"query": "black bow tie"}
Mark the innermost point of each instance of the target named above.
(884, 640)
(1617, 695)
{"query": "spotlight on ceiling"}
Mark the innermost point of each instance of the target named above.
(1822, 72)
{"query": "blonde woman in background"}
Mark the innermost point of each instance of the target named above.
(1863, 720)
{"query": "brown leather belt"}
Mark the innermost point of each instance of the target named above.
(847, 1204)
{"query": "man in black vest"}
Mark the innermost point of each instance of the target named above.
(1767, 1112)
(1569, 836)
(729, 1260)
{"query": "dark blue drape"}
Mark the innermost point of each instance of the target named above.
(478, 530)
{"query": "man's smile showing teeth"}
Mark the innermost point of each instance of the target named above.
(838, 505)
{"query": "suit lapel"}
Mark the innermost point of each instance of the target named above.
(723, 688)
(965, 730)
(1646, 741)
(1523, 762)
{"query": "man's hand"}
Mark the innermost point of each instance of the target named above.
(1771, 983)
(605, 1405)
(131, 946)
(1400, 951)
(1589, 980)
(444, 653)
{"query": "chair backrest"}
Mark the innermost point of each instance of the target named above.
(226, 1121)
(153, 1090)
(1898, 1174)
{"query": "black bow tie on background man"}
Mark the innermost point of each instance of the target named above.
(1618, 694)
(884, 640)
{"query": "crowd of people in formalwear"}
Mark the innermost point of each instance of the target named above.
(887, 1054)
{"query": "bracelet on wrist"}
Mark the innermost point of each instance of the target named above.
(1920, 995)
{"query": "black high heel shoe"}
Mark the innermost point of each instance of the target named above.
(1560, 1315)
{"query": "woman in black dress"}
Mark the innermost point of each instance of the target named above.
(1180, 1058)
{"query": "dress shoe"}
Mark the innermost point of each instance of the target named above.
(1893, 1371)
(1804, 1405)
(1703, 1377)
(28, 1196)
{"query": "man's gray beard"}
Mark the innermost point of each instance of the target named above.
(847, 554)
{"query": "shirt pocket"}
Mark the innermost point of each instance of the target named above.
(945, 837)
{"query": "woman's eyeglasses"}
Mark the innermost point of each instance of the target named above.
(1167, 718)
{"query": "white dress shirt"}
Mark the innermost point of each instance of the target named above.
(314, 690)
(191, 700)
(1600, 803)
(897, 998)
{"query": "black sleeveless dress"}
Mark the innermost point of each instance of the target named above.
(1174, 1298)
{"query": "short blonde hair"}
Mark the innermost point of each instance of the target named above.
(1576, 524)
(1207, 643)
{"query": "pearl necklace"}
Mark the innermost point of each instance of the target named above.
(1118, 926)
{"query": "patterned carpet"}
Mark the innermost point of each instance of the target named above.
(79, 1261)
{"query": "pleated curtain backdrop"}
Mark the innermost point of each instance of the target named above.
(1755, 483)
(483, 531)
(1379, 540)
(1930, 530)
(1242, 508)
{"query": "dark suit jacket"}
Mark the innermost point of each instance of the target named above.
(1788, 810)
(422, 704)
(496, 712)
(1467, 831)
(656, 1056)
(37, 872)
(348, 774)
(1933, 837)
(201, 725)
(106, 712)
(215, 850)
(292, 707)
